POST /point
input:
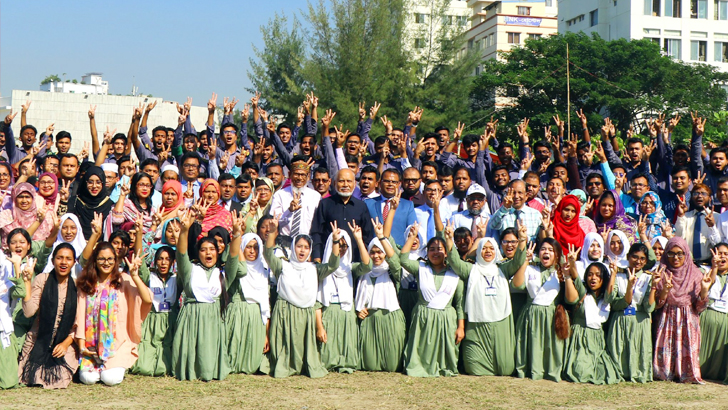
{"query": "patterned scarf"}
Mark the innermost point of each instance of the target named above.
(102, 310)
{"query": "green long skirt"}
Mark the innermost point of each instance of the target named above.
(21, 326)
(714, 345)
(293, 342)
(155, 349)
(518, 302)
(199, 350)
(341, 350)
(629, 344)
(246, 337)
(407, 301)
(9, 364)
(489, 348)
(431, 350)
(539, 353)
(586, 360)
(382, 337)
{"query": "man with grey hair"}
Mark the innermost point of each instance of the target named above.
(342, 208)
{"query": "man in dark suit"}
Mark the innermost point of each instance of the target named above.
(378, 207)
(227, 192)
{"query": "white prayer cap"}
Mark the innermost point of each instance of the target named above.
(110, 166)
(170, 167)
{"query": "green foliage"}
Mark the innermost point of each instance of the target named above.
(620, 79)
(360, 50)
(51, 78)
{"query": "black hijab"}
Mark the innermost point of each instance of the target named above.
(86, 205)
(41, 356)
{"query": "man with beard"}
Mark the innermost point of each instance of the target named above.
(514, 208)
(455, 201)
(475, 149)
(427, 150)
(368, 181)
(698, 226)
(445, 175)
(296, 203)
(275, 173)
(384, 159)
(444, 137)
(680, 192)
(411, 186)
(494, 193)
(343, 209)
(477, 210)
(379, 206)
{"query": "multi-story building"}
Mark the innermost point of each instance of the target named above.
(688, 30)
(91, 83)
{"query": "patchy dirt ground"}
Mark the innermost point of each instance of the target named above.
(363, 390)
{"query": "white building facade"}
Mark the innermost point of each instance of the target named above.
(91, 83)
(694, 31)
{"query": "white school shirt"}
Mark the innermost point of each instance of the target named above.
(282, 200)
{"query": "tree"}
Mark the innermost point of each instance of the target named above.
(624, 80)
(359, 50)
(51, 78)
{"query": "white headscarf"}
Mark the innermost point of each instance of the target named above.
(621, 259)
(421, 252)
(381, 294)
(78, 243)
(339, 282)
(255, 283)
(479, 307)
(584, 260)
(298, 282)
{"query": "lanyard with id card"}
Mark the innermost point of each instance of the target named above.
(721, 303)
(490, 290)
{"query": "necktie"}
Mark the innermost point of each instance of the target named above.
(385, 212)
(430, 224)
(697, 252)
(474, 226)
(296, 224)
(460, 205)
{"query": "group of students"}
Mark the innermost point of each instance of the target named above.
(285, 254)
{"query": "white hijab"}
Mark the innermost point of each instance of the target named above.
(78, 243)
(479, 307)
(376, 289)
(421, 252)
(584, 261)
(339, 283)
(298, 282)
(663, 242)
(255, 283)
(621, 259)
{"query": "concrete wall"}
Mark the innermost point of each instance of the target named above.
(69, 112)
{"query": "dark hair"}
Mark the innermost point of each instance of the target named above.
(300, 158)
(149, 161)
(273, 165)
(353, 135)
(21, 231)
(381, 141)
(262, 220)
(28, 127)
(67, 155)
(505, 168)
(717, 150)
(89, 275)
(641, 175)
(634, 140)
(436, 239)
(445, 171)
(583, 145)
(638, 247)
(119, 136)
(313, 137)
(191, 135)
(471, 139)
(722, 180)
(432, 181)
(63, 134)
(432, 164)
(122, 235)
(394, 171)
(322, 170)
(442, 128)
(678, 169)
(681, 147)
(715, 247)
(63, 245)
(281, 126)
(133, 193)
(552, 168)
(541, 143)
(594, 175)
(503, 145)
(188, 155)
(618, 166)
(461, 168)
(462, 232)
(250, 165)
(351, 159)
(50, 156)
(509, 231)
(370, 169)
(159, 128)
(529, 174)
(430, 135)
(555, 244)
(604, 273)
(124, 158)
(224, 177)
(230, 125)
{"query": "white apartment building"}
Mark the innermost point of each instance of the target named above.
(91, 83)
(688, 30)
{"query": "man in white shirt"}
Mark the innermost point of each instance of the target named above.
(296, 203)
(456, 201)
(698, 227)
(477, 212)
(227, 192)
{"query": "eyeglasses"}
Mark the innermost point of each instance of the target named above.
(595, 183)
(648, 203)
(229, 132)
(44, 183)
(3, 175)
(407, 180)
(105, 261)
(619, 174)
(639, 258)
(705, 194)
(509, 242)
(190, 166)
(677, 255)
(639, 185)
(144, 185)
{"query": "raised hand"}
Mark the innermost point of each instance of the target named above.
(239, 224)
(672, 123)
(374, 110)
(631, 276)
(295, 203)
(667, 229)
(9, 117)
(362, 111)
(698, 123)
(394, 201)
(707, 282)
(582, 117)
(527, 161)
(605, 234)
(378, 228)
(459, 131)
(50, 128)
(709, 218)
(212, 104)
(97, 224)
(508, 198)
(24, 107)
(186, 219)
(531, 251)
(658, 274)
(449, 230)
(642, 226)
(335, 231)
(574, 253)
(482, 226)
(64, 190)
(355, 230)
(682, 207)
(522, 129)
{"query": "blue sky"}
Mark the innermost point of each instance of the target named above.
(168, 49)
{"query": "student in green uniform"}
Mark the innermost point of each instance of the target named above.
(539, 351)
(199, 349)
(438, 320)
(508, 247)
(714, 321)
(489, 344)
(11, 288)
(585, 357)
(336, 327)
(382, 330)
(155, 348)
(408, 291)
(293, 347)
(629, 334)
(248, 315)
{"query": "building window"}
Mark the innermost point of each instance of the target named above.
(699, 50)
(593, 18)
(699, 9)
(721, 9)
(549, 3)
(420, 43)
(420, 18)
(524, 11)
(721, 52)
(477, 70)
(492, 39)
(652, 8)
(462, 20)
(672, 47)
(470, 44)
(673, 8)
(534, 36)
(514, 38)
(655, 40)
(447, 20)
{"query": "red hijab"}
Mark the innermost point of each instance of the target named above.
(567, 233)
(169, 213)
(216, 214)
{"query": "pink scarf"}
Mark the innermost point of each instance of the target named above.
(17, 218)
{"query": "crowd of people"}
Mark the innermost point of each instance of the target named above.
(306, 248)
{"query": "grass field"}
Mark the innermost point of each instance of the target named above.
(363, 390)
